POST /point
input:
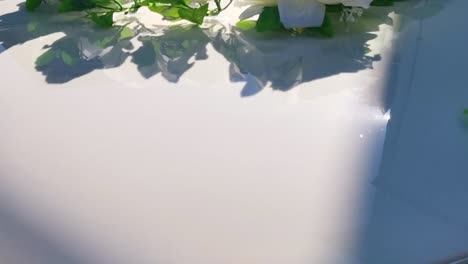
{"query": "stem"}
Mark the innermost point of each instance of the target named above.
(118, 4)
(105, 7)
(218, 5)
(224, 8)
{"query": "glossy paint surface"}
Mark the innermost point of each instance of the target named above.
(175, 144)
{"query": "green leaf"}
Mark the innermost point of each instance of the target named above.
(66, 58)
(32, 26)
(46, 58)
(325, 30)
(126, 33)
(32, 5)
(334, 8)
(103, 20)
(246, 24)
(104, 42)
(65, 6)
(382, 2)
(167, 11)
(465, 112)
(195, 15)
(82, 5)
(269, 20)
(177, 9)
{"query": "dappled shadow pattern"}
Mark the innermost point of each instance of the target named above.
(169, 53)
(279, 60)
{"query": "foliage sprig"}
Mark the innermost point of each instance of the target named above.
(102, 11)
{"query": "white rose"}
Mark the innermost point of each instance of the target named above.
(298, 13)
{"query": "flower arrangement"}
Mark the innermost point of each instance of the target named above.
(299, 16)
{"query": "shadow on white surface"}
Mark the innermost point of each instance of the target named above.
(23, 241)
(418, 214)
(280, 61)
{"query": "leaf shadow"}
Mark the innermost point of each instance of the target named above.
(277, 60)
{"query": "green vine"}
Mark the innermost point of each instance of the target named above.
(102, 11)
